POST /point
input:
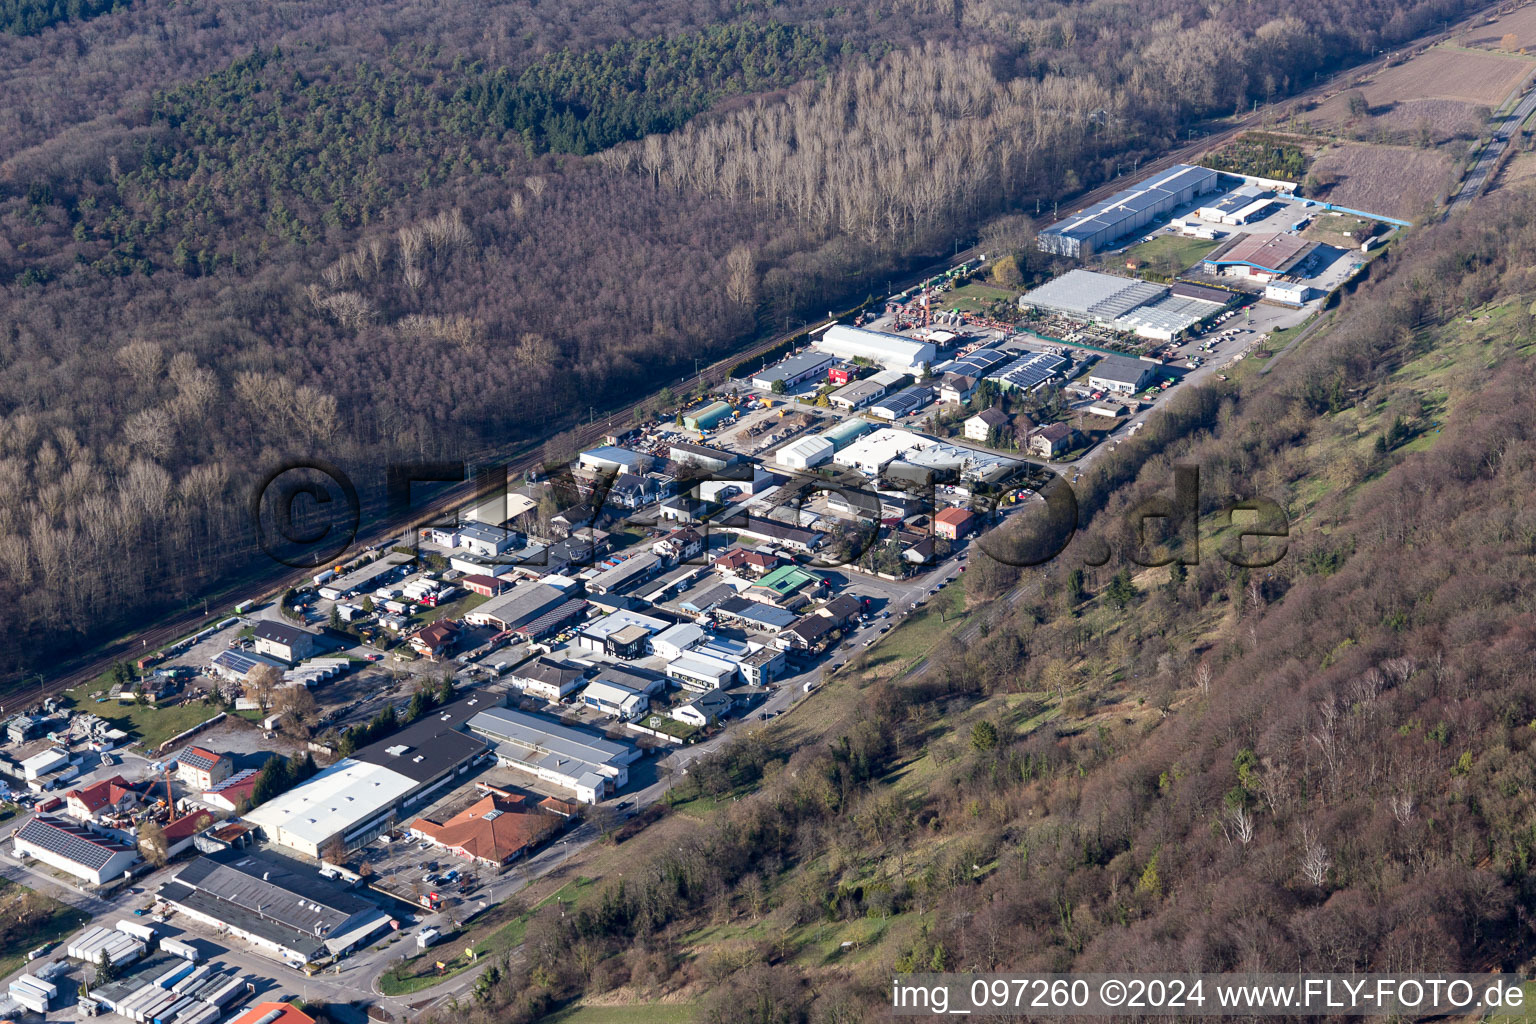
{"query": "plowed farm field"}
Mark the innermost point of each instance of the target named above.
(1439, 92)
(1521, 24)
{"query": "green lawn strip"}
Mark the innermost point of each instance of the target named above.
(1171, 253)
(454, 609)
(146, 723)
(670, 726)
(974, 298)
(920, 632)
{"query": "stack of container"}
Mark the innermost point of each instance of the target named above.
(34, 993)
(120, 947)
(185, 950)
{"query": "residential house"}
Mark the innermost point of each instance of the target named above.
(842, 609)
(436, 641)
(178, 836)
(681, 545)
(615, 699)
(235, 793)
(957, 387)
(704, 710)
(549, 678)
(980, 426)
(1051, 440)
(630, 491)
(809, 633)
(752, 563)
(562, 524)
(102, 800)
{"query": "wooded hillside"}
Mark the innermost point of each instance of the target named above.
(234, 232)
(1323, 765)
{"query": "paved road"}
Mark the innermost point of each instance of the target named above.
(1502, 131)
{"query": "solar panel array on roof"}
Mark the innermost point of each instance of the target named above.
(1030, 371)
(908, 400)
(241, 776)
(240, 663)
(74, 842)
(979, 363)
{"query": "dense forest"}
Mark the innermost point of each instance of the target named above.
(29, 17)
(233, 233)
(1324, 765)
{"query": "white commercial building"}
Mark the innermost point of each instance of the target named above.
(96, 857)
(485, 541)
(804, 453)
(611, 458)
(872, 452)
(673, 641)
(40, 764)
(700, 672)
(344, 796)
(891, 351)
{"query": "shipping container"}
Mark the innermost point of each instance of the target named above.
(185, 950)
(137, 930)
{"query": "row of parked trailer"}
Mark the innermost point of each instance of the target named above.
(33, 992)
(119, 944)
(179, 992)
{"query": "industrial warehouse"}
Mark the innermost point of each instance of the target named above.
(1155, 311)
(275, 904)
(1132, 209)
(1261, 257)
(577, 760)
(361, 796)
(892, 351)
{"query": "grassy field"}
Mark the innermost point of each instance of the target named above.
(454, 609)
(147, 724)
(51, 922)
(670, 726)
(1170, 254)
(974, 298)
(1345, 231)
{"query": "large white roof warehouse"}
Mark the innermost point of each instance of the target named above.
(346, 793)
(889, 350)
